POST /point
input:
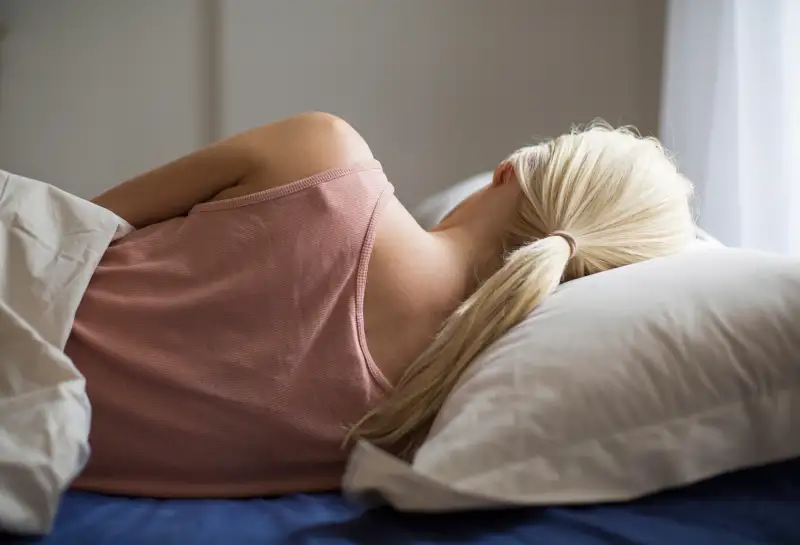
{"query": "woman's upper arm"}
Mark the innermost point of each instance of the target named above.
(301, 146)
(261, 158)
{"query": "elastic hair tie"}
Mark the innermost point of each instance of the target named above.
(573, 244)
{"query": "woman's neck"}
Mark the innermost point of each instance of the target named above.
(471, 251)
(472, 237)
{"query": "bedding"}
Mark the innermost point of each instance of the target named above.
(50, 243)
(753, 507)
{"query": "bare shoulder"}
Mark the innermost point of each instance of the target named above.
(295, 148)
(301, 146)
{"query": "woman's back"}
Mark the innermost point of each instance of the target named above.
(225, 351)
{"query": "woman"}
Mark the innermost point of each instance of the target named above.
(276, 293)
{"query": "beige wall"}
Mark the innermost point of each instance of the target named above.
(92, 91)
(441, 89)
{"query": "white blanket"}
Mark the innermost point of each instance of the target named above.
(50, 244)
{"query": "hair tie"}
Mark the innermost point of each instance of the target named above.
(573, 244)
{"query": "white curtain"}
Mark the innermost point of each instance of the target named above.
(731, 114)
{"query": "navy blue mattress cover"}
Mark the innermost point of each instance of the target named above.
(757, 506)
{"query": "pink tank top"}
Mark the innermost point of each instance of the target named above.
(224, 351)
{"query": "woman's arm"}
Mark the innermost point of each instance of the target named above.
(173, 189)
(261, 158)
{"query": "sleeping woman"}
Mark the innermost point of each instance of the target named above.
(276, 301)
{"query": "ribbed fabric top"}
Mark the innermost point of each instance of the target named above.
(224, 351)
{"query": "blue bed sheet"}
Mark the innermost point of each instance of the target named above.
(759, 506)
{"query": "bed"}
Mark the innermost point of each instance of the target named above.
(757, 506)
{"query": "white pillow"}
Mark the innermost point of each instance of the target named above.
(620, 384)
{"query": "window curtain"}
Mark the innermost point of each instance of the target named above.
(731, 115)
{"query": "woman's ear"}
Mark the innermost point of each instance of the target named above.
(502, 173)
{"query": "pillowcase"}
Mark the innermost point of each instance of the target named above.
(620, 384)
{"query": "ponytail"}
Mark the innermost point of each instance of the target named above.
(528, 275)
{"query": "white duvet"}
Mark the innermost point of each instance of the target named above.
(50, 244)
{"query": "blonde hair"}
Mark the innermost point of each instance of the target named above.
(594, 199)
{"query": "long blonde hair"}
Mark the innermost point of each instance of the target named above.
(615, 198)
